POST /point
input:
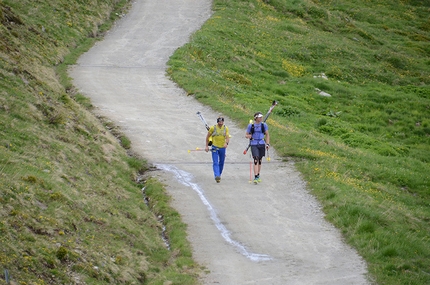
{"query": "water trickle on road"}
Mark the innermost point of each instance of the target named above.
(185, 178)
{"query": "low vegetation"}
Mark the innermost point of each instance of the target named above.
(71, 201)
(77, 206)
(364, 147)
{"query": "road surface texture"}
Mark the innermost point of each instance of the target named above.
(270, 233)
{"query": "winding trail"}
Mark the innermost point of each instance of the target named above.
(271, 233)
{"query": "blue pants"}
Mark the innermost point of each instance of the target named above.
(218, 158)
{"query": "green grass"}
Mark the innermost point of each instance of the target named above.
(71, 202)
(364, 151)
(70, 194)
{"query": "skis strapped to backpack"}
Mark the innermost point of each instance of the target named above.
(274, 103)
(203, 120)
(206, 125)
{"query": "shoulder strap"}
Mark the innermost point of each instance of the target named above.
(263, 128)
(215, 133)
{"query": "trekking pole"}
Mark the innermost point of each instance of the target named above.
(268, 155)
(197, 149)
(250, 169)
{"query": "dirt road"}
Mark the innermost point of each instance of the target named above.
(271, 233)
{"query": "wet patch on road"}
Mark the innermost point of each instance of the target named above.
(185, 178)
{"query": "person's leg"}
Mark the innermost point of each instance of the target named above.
(221, 155)
(261, 154)
(215, 163)
(256, 169)
(255, 157)
(256, 166)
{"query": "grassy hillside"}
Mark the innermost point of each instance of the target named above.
(71, 203)
(365, 150)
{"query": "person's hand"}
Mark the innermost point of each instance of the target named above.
(206, 148)
(267, 146)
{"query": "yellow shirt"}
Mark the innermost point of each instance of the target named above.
(218, 136)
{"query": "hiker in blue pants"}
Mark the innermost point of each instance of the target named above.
(220, 138)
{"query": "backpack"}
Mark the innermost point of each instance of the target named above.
(215, 133)
(263, 128)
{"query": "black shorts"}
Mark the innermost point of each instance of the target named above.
(258, 150)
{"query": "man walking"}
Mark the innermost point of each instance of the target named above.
(258, 133)
(220, 139)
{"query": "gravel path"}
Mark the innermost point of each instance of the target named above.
(271, 233)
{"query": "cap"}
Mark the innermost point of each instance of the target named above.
(258, 115)
(219, 119)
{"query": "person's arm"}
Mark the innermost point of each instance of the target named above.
(207, 140)
(227, 137)
(248, 135)
(266, 133)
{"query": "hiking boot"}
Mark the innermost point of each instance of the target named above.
(218, 179)
(255, 180)
(258, 178)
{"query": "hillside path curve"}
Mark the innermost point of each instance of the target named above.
(270, 233)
